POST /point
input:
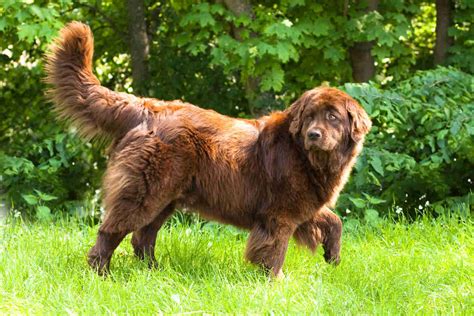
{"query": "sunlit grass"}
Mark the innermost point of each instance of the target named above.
(425, 267)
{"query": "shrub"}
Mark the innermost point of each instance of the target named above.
(419, 155)
(42, 167)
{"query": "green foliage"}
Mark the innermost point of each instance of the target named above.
(282, 41)
(462, 52)
(419, 154)
(190, 77)
(32, 22)
(244, 66)
(41, 167)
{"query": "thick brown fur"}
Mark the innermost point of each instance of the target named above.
(274, 176)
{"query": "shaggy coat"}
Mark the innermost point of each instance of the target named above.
(275, 176)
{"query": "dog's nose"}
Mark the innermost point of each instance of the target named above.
(314, 134)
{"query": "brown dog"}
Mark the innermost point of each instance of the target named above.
(274, 175)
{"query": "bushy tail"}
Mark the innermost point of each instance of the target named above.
(77, 94)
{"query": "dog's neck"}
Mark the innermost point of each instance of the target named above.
(331, 169)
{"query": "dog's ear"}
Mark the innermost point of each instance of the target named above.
(296, 112)
(361, 123)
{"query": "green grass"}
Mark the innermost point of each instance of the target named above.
(421, 268)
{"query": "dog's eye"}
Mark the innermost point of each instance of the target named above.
(331, 116)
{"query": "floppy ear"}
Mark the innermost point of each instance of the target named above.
(361, 123)
(296, 112)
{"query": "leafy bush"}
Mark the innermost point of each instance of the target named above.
(42, 167)
(420, 153)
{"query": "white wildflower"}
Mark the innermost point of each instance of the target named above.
(287, 23)
(176, 298)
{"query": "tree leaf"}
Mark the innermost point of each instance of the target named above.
(27, 32)
(44, 196)
(358, 202)
(3, 24)
(373, 200)
(273, 79)
(43, 212)
(376, 163)
(371, 216)
(37, 11)
(321, 27)
(30, 199)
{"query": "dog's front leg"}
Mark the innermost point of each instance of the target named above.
(331, 226)
(267, 245)
(326, 228)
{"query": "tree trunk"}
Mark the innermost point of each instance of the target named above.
(239, 7)
(243, 7)
(362, 61)
(138, 43)
(444, 20)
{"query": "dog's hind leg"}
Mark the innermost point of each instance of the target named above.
(143, 240)
(124, 217)
(138, 185)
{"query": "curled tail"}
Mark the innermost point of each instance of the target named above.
(77, 94)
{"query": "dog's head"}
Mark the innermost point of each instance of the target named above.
(327, 118)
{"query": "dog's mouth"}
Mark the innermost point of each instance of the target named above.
(318, 145)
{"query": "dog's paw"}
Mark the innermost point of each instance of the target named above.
(98, 264)
(332, 259)
(278, 276)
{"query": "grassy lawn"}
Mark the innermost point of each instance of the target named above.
(426, 267)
